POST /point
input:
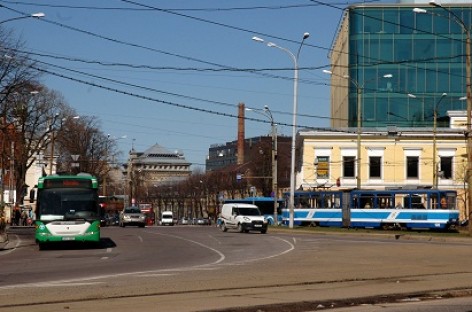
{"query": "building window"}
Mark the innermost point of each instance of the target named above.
(445, 168)
(348, 166)
(375, 167)
(412, 167)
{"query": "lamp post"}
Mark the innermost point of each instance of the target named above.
(359, 119)
(435, 123)
(107, 152)
(294, 121)
(468, 136)
(266, 112)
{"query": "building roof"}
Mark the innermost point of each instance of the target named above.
(158, 154)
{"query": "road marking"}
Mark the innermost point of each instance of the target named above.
(222, 256)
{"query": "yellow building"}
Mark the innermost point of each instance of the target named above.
(392, 157)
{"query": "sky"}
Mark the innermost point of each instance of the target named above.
(174, 72)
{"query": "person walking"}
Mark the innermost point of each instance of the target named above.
(16, 215)
(24, 217)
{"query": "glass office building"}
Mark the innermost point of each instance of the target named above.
(397, 64)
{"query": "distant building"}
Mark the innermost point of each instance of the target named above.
(224, 155)
(154, 167)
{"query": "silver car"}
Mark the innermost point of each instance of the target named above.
(132, 216)
(184, 221)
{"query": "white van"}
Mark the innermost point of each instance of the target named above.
(167, 218)
(243, 217)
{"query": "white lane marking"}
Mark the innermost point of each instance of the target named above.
(222, 256)
(140, 238)
(292, 247)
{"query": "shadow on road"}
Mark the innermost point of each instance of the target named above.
(104, 243)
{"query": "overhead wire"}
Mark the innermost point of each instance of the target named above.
(222, 67)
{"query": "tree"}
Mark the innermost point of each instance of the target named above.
(16, 74)
(82, 137)
(35, 111)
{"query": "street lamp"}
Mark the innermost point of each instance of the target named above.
(266, 112)
(466, 30)
(294, 121)
(34, 15)
(359, 119)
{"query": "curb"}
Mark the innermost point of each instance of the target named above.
(3, 240)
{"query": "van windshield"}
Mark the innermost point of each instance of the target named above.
(247, 211)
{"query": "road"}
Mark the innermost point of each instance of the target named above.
(199, 268)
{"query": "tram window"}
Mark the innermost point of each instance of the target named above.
(416, 202)
(384, 202)
(434, 201)
(366, 201)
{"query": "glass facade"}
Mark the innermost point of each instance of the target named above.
(423, 52)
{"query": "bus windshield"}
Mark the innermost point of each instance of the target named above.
(67, 204)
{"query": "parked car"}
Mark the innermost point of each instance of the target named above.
(108, 219)
(203, 221)
(184, 221)
(114, 219)
(132, 216)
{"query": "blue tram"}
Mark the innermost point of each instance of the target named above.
(397, 208)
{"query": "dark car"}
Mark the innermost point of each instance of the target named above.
(114, 219)
(203, 221)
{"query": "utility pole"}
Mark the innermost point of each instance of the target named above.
(51, 158)
(274, 168)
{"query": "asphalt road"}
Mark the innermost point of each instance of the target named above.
(199, 268)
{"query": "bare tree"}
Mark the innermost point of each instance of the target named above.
(16, 75)
(82, 137)
(34, 112)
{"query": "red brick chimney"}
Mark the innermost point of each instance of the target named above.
(241, 134)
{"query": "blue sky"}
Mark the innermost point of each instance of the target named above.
(173, 72)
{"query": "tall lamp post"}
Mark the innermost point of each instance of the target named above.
(107, 152)
(359, 120)
(294, 121)
(468, 136)
(266, 112)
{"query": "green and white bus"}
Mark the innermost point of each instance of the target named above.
(67, 209)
